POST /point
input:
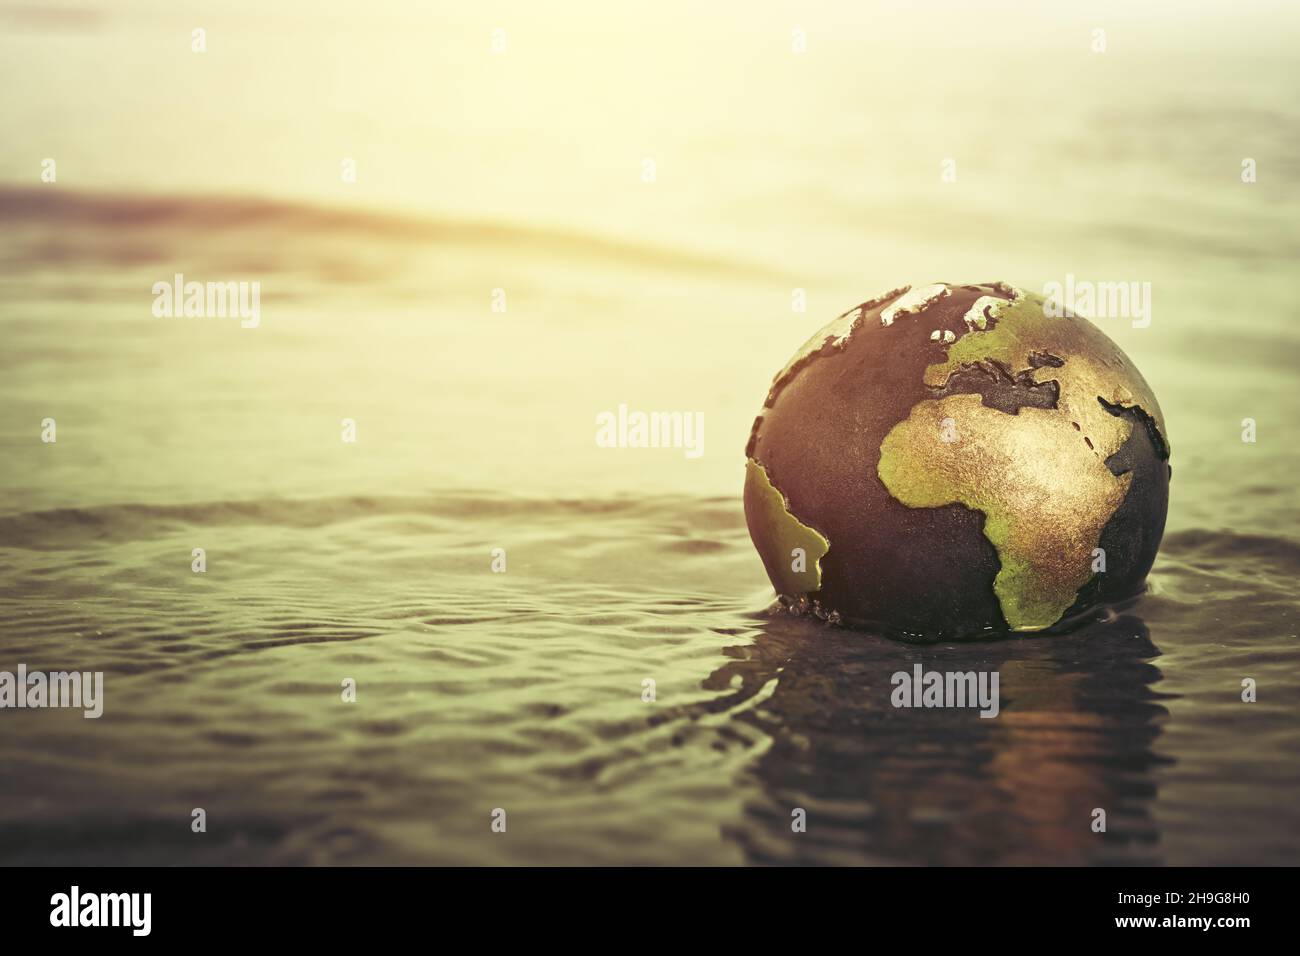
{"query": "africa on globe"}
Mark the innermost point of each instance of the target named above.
(957, 460)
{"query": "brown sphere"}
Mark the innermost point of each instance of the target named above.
(956, 460)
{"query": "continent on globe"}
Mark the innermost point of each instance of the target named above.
(954, 460)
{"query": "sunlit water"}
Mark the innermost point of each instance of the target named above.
(523, 690)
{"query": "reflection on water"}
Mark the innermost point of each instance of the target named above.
(525, 690)
(1077, 731)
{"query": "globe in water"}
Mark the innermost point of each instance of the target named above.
(957, 460)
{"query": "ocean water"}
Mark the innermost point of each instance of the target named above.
(372, 560)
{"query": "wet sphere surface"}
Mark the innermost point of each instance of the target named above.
(955, 460)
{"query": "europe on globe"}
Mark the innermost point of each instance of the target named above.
(956, 460)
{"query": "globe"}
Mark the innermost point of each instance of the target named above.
(952, 461)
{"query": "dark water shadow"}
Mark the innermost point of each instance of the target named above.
(1076, 730)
